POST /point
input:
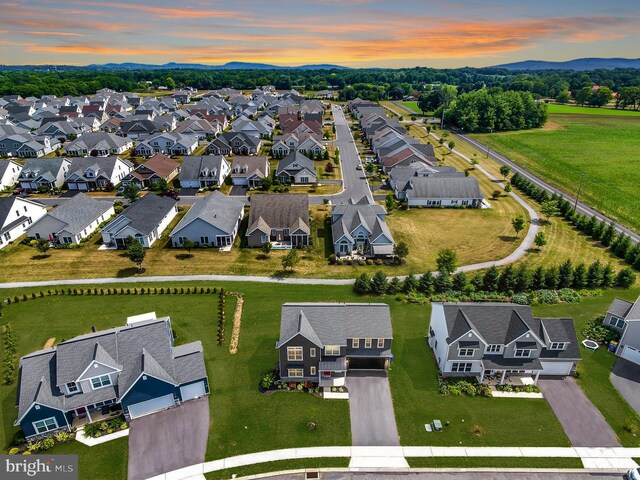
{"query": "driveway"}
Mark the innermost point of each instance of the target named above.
(168, 440)
(581, 420)
(626, 378)
(371, 409)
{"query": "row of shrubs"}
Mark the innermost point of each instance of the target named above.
(509, 280)
(113, 291)
(9, 341)
(97, 429)
(620, 244)
(463, 386)
(333, 260)
(518, 388)
(41, 445)
(595, 330)
(221, 317)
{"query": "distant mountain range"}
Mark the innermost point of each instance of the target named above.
(200, 66)
(579, 64)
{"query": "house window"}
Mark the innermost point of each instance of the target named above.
(557, 346)
(522, 352)
(616, 322)
(264, 238)
(100, 382)
(67, 240)
(332, 350)
(295, 372)
(466, 352)
(493, 349)
(294, 354)
(367, 343)
(204, 240)
(72, 387)
(355, 343)
(312, 352)
(381, 343)
(460, 367)
(312, 370)
(46, 425)
(304, 179)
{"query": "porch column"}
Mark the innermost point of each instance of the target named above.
(88, 415)
(535, 380)
(482, 376)
(504, 373)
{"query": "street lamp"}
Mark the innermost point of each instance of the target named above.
(575, 205)
(442, 121)
(490, 132)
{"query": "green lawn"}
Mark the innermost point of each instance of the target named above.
(279, 466)
(605, 148)
(494, 462)
(595, 367)
(578, 110)
(413, 106)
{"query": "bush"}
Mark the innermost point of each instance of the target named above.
(631, 426)
(595, 330)
(268, 380)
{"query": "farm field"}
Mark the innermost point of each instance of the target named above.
(554, 108)
(605, 148)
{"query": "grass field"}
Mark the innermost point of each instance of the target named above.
(494, 462)
(605, 148)
(554, 108)
(413, 106)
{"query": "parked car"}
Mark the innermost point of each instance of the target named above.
(633, 474)
(359, 167)
(18, 191)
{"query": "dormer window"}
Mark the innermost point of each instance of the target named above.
(100, 382)
(522, 353)
(493, 348)
(558, 346)
(72, 387)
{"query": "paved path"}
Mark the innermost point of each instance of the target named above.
(626, 378)
(581, 420)
(456, 474)
(604, 459)
(168, 440)
(582, 208)
(371, 409)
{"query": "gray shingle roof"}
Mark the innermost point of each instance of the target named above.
(216, 209)
(444, 187)
(345, 218)
(294, 163)
(104, 166)
(145, 215)
(79, 211)
(279, 211)
(335, 323)
(619, 307)
(194, 167)
(247, 166)
(561, 330)
(143, 347)
(93, 140)
(46, 168)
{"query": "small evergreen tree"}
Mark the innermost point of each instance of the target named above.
(443, 282)
(426, 284)
(508, 279)
(607, 235)
(625, 278)
(379, 283)
(394, 286)
(580, 276)
(362, 284)
(410, 284)
(595, 274)
(608, 276)
(551, 278)
(565, 275)
(459, 281)
(491, 280)
(538, 279)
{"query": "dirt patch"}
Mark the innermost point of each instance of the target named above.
(237, 321)
(551, 125)
(49, 343)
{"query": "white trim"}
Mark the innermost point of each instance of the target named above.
(289, 355)
(93, 387)
(33, 424)
(380, 341)
(89, 366)
(69, 392)
(17, 422)
(138, 379)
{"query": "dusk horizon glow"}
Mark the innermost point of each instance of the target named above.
(360, 33)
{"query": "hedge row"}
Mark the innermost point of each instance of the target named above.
(221, 317)
(9, 342)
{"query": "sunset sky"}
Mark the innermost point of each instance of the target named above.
(355, 33)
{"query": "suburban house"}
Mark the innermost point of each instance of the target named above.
(360, 228)
(213, 220)
(204, 171)
(27, 145)
(169, 143)
(321, 342)
(156, 168)
(307, 143)
(624, 317)
(98, 144)
(237, 143)
(500, 339)
(296, 168)
(44, 173)
(443, 192)
(282, 220)
(73, 220)
(16, 214)
(90, 173)
(9, 173)
(144, 221)
(248, 171)
(133, 369)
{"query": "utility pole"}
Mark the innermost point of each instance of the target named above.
(490, 131)
(442, 121)
(575, 205)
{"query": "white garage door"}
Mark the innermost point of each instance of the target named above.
(151, 406)
(631, 354)
(556, 368)
(194, 390)
(240, 181)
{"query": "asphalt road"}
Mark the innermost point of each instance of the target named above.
(626, 378)
(459, 476)
(582, 208)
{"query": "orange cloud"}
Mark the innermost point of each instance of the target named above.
(170, 13)
(57, 34)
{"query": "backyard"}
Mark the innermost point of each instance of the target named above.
(602, 147)
(243, 420)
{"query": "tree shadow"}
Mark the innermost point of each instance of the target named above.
(184, 256)
(126, 272)
(40, 257)
(262, 256)
(508, 238)
(282, 273)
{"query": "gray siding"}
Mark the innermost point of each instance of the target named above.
(631, 335)
(307, 360)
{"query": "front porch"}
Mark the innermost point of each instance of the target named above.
(83, 416)
(510, 371)
(333, 373)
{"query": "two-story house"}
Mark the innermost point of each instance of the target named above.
(500, 339)
(90, 173)
(204, 171)
(134, 369)
(321, 342)
(9, 173)
(16, 214)
(296, 168)
(624, 317)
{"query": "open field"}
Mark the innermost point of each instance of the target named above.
(602, 147)
(554, 108)
(412, 105)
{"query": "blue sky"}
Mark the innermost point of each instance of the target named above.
(357, 33)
